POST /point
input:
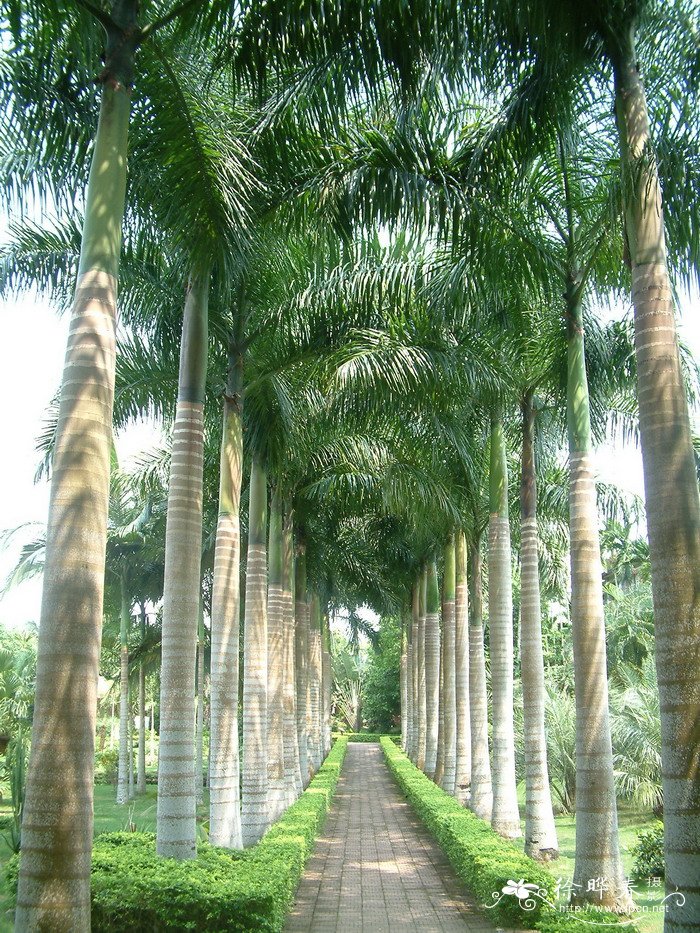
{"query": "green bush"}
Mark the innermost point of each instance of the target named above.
(482, 859)
(648, 853)
(135, 890)
(367, 736)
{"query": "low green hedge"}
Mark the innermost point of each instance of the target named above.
(135, 890)
(368, 737)
(483, 860)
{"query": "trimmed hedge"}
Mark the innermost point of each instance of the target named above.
(368, 737)
(135, 890)
(482, 859)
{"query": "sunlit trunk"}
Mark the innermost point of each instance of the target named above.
(540, 832)
(463, 753)
(54, 874)
(432, 668)
(673, 511)
(301, 648)
(275, 664)
(176, 820)
(505, 818)
(403, 674)
(440, 759)
(422, 711)
(482, 791)
(255, 797)
(448, 653)
(415, 703)
(141, 766)
(292, 770)
(224, 756)
(199, 740)
(327, 685)
(123, 769)
(315, 681)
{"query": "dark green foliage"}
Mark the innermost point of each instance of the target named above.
(649, 853)
(381, 700)
(368, 737)
(483, 860)
(135, 890)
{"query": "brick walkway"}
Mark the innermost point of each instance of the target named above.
(376, 868)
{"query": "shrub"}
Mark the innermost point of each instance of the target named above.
(648, 853)
(135, 890)
(482, 859)
(368, 737)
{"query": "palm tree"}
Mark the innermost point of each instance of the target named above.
(463, 763)
(432, 667)
(505, 818)
(275, 663)
(449, 660)
(292, 766)
(481, 786)
(301, 655)
(255, 813)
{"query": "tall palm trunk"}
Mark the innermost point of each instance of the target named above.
(141, 765)
(403, 675)
(123, 769)
(415, 616)
(597, 847)
(449, 694)
(199, 749)
(440, 758)
(482, 790)
(673, 511)
(327, 685)
(176, 819)
(432, 668)
(54, 875)
(255, 797)
(422, 705)
(315, 681)
(540, 832)
(505, 818)
(292, 768)
(301, 653)
(224, 764)
(275, 664)
(463, 752)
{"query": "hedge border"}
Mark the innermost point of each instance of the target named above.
(482, 859)
(134, 890)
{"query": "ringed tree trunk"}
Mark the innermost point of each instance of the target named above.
(597, 846)
(199, 750)
(57, 825)
(275, 664)
(327, 684)
(255, 799)
(505, 818)
(176, 831)
(440, 759)
(422, 706)
(449, 692)
(432, 668)
(540, 831)
(292, 769)
(673, 511)
(415, 616)
(403, 668)
(301, 649)
(463, 752)
(224, 762)
(315, 681)
(124, 758)
(141, 765)
(481, 789)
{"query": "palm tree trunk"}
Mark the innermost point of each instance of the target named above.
(255, 811)
(540, 831)
(130, 733)
(440, 758)
(176, 820)
(54, 874)
(292, 768)
(141, 766)
(463, 753)
(505, 818)
(673, 510)
(315, 681)
(327, 685)
(422, 704)
(275, 665)
(449, 694)
(415, 617)
(224, 762)
(597, 847)
(432, 668)
(301, 653)
(199, 740)
(123, 770)
(482, 790)
(403, 675)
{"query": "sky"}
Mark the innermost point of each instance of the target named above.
(32, 345)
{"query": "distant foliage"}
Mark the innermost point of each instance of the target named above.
(648, 853)
(381, 694)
